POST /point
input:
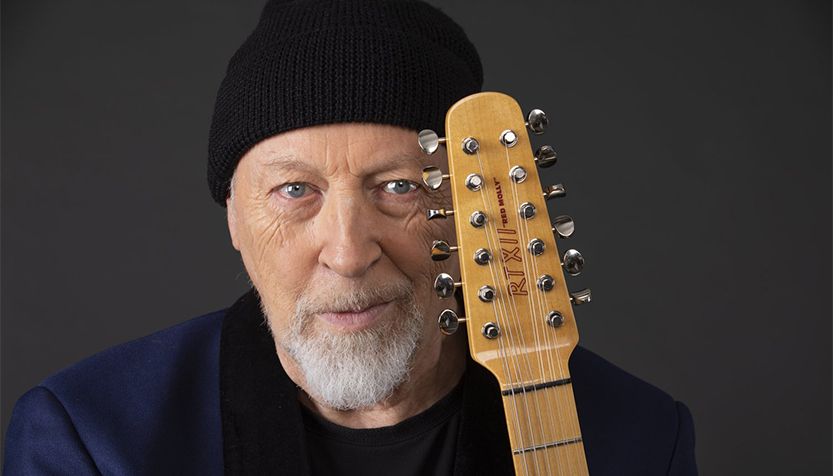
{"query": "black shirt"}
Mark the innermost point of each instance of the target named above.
(424, 444)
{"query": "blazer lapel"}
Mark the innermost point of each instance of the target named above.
(262, 429)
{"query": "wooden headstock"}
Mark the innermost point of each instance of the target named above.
(519, 314)
(526, 333)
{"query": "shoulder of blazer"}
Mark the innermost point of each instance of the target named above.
(628, 425)
(150, 406)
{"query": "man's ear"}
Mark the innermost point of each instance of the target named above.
(231, 216)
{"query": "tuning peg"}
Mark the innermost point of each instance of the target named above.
(545, 156)
(441, 251)
(470, 145)
(441, 213)
(449, 322)
(444, 285)
(573, 262)
(429, 141)
(580, 297)
(555, 191)
(433, 177)
(563, 226)
(537, 122)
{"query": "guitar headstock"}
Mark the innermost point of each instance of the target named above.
(518, 310)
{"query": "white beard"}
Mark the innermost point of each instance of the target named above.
(354, 370)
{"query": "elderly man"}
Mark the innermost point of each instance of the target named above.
(332, 364)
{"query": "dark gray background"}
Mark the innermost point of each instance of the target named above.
(694, 140)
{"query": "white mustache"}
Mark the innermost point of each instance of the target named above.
(352, 300)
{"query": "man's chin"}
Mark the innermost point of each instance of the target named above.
(349, 367)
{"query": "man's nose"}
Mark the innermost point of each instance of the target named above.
(350, 238)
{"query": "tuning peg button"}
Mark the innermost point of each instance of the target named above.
(573, 262)
(555, 319)
(482, 256)
(555, 191)
(441, 250)
(478, 219)
(536, 246)
(441, 213)
(563, 226)
(580, 297)
(429, 142)
(449, 322)
(527, 210)
(545, 156)
(470, 145)
(508, 138)
(490, 330)
(444, 286)
(433, 177)
(545, 283)
(517, 174)
(537, 122)
(474, 182)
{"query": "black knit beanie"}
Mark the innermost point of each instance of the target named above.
(310, 62)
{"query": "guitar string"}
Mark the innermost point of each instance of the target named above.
(541, 312)
(576, 450)
(509, 329)
(525, 355)
(524, 393)
(535, 305)
(503, 352)
(563, 369)
(539, 319)
(491, 227)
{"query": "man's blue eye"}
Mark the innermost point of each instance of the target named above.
(399, 186)
(294, 190)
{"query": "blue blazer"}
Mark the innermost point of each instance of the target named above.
(192, 399)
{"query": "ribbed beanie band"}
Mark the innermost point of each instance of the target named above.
(311, 62)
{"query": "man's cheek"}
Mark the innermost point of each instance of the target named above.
(264, 247)
(414, 252)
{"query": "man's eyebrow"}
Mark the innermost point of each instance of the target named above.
(286, 161)
(398, 162)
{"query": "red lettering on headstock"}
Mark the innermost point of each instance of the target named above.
(511, 255)
(503, 218)
(515, 278)
(518, 288)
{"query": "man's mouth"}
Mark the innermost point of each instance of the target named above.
(350, 320)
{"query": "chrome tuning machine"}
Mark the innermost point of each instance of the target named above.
(555, 191)
(545, 156)
(429, 142)
(573, 262)
(537, 122)
(449, 322)
(434, 214)
(580, 297)
(441, 250)
(563, 226)
(445, 286)
(433, 177)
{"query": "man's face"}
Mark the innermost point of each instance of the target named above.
(330, 222)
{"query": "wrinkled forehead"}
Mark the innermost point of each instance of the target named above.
(357, 149)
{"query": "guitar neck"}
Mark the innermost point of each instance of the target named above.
(520, 318)
(543, 429)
